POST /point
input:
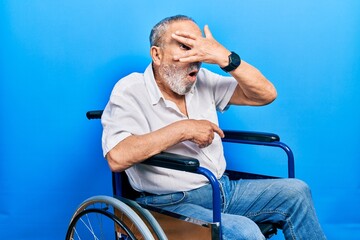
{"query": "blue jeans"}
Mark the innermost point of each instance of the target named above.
(286, 202)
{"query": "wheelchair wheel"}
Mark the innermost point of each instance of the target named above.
(147, 217)
(103, 217)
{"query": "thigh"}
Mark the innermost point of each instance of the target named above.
(263, 198)
(201, 196)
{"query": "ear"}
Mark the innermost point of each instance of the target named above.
(156, 54)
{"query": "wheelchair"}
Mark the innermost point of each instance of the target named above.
(120, 217)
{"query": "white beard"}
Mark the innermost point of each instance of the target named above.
(176, 77)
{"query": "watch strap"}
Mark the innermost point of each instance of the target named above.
(234, 62)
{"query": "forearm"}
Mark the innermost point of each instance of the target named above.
(136, 148)
(253, 88)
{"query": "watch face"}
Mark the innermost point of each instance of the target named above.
(234, 60)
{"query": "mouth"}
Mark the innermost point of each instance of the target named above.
(193, 73)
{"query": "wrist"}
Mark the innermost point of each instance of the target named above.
(234, 62)
(181, 130)
(224, 59)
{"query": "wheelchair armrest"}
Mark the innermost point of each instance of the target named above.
(173, 161)
(235, 136)
(96, 114)
(260, 138)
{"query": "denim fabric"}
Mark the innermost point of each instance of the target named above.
(286, 202)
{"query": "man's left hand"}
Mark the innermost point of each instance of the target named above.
(201, 49)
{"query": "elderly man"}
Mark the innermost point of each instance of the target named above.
(173, 107)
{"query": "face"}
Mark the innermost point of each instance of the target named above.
(178, 77)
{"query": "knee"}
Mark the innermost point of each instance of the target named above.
(299, 188)
(241, 228)
(298, 193)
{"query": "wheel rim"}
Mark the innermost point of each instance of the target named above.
(98, 219)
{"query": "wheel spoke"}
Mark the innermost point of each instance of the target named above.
(104, 218)
(89, 227)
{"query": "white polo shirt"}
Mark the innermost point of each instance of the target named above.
(137, 106)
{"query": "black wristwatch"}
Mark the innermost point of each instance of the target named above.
(234, 62)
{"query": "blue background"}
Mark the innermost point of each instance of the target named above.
(59, 59)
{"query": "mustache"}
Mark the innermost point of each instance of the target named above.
(194, 66)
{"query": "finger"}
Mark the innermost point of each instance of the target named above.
(188, 59)
(204, 145)
(207, 32)
(184, 40)
(209, 140)
(188, 56)
(218, 131)
(184, 54)
(185, 34)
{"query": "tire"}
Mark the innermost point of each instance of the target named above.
(104, 217)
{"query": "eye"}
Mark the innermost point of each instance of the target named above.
(184, 47)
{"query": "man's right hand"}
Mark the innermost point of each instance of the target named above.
(201, 132)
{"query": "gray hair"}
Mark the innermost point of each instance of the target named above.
(159, 29)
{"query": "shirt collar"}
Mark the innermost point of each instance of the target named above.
(152, 87)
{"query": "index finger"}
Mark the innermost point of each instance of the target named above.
(218, 131)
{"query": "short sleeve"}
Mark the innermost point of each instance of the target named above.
(122, 116)
(222, 88)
